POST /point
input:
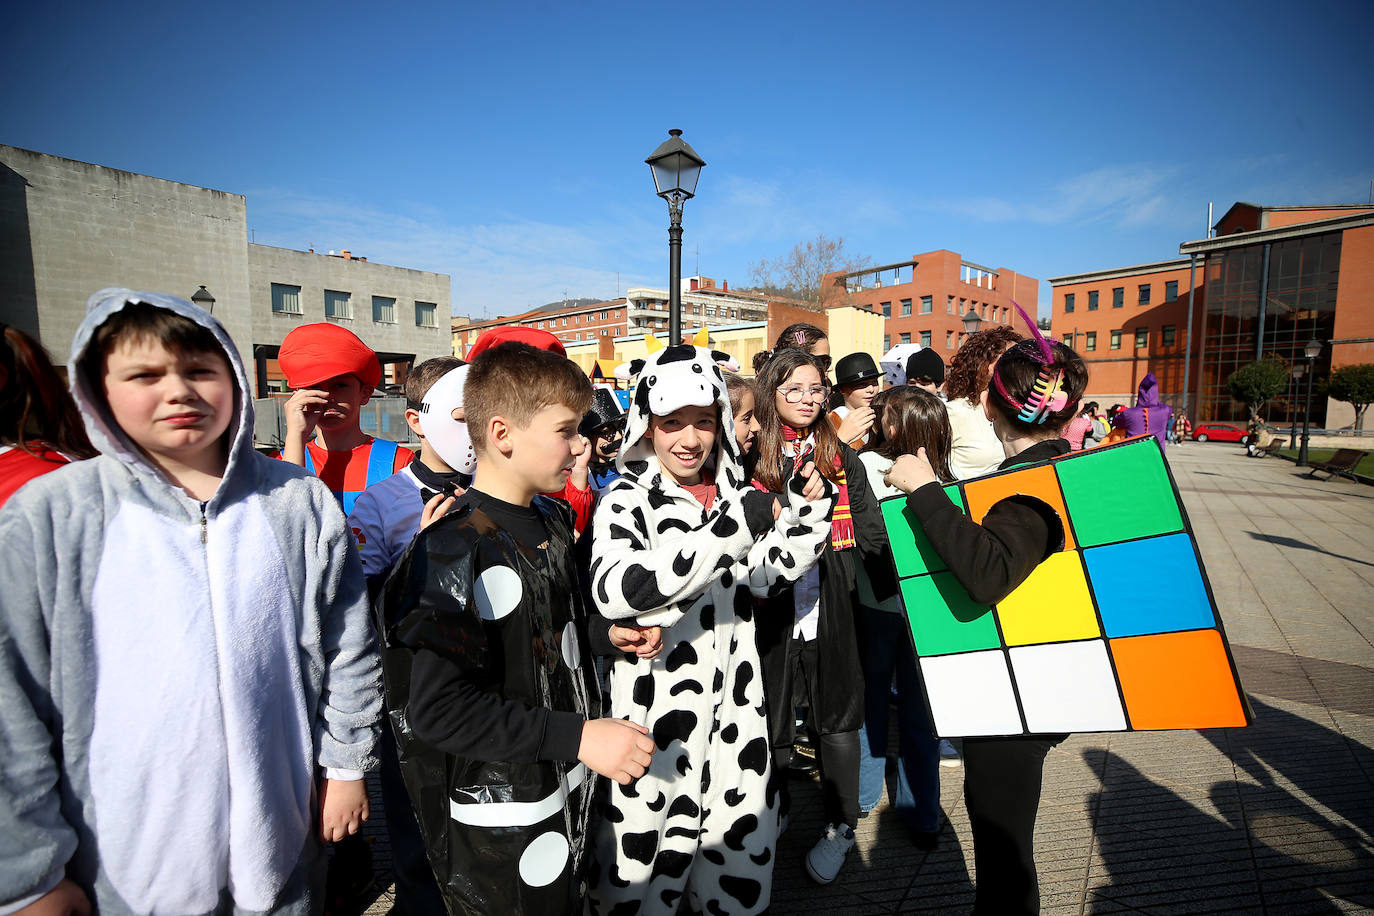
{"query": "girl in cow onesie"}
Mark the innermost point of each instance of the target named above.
(679, 542)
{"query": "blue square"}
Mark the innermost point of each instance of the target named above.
(1153, 585)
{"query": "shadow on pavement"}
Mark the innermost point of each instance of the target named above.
(1283, 541)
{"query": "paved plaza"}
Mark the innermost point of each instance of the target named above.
(1275, 818)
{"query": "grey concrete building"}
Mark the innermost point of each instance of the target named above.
(69, 228)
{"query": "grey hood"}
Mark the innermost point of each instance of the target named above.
(104, 432)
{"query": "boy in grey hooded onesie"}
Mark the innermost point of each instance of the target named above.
(173, 672)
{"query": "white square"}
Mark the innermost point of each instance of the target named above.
(1068, 687)
(971, 694)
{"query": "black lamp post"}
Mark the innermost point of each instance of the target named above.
(1312, 350)
(676, 168)
(972, 322)
(1298, 370)
(202, 298)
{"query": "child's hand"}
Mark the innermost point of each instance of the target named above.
(910, 472)
(855, 424)
(814, 488)
(645, 642)
(580, 475)
(343, 808)
(303, 411)
(436, 508)
(67, 899)
(616, 749)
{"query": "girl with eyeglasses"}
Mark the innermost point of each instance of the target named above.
(806, 632)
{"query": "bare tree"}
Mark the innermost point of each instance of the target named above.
(798, 273)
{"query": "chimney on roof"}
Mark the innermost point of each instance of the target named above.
(725, 286)
(345, 255)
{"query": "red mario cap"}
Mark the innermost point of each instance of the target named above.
(314, 352)
(540, 340)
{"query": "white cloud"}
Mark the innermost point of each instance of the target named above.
(1129, 193)
(497, 268)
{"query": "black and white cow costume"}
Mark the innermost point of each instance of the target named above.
(701, 821)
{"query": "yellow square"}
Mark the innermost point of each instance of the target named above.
(1052, 605)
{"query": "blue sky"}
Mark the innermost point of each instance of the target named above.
(504, 143)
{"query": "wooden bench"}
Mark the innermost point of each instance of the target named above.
(1269, 446)
(1343, 462)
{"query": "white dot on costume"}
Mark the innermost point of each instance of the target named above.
(497, 592)
(544, 859)
(572, 651)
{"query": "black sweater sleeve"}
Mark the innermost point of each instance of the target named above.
(993, 558)
(450, 712)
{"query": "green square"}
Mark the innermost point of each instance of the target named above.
(912, 553)
(1119, 493)
(944, 619)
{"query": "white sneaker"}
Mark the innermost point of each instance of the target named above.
(826, 858)
(949, 756)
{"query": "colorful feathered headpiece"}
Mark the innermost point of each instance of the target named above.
(1047, 395)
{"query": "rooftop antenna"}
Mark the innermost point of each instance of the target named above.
(698, 271)
(617, 280)
(1207, 234)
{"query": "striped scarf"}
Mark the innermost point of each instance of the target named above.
(842, 520)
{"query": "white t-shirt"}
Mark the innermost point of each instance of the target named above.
(976, 449)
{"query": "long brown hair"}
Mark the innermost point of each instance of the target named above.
(34, 403)
(769, 468)
(920, 421)
(971, 367)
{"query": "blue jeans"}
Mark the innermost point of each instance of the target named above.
(887, 651)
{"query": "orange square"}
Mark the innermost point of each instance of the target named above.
(1039, 482)
(1177, 680)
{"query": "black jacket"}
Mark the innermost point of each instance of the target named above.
(489, 679)
(839, 707)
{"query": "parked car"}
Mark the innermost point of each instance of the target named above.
(1219, 432)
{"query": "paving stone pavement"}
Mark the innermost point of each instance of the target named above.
(1274, 818)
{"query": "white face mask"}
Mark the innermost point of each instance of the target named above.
(449, 437)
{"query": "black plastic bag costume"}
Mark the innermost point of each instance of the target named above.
(501, 836)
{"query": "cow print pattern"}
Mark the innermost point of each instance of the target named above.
(701, 823)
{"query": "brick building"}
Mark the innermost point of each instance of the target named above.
(1128, 322)
(923, 300)
(1269, 279)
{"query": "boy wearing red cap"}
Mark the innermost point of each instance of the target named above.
(333, 374)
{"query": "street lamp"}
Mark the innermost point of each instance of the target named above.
(1298, 370)
(202, 298)
(676, 168)
(1312, 350)
(971, 322)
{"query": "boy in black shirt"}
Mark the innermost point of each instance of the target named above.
(486, 654)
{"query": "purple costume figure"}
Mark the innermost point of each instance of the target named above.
(1149, 415)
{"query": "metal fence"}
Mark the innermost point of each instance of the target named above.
(381, 417)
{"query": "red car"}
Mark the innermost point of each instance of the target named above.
(1219, 432)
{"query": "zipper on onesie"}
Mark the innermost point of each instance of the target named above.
(203, 523)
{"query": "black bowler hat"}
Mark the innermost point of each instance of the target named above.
(856, 367)
(605, 411)
(925, 363)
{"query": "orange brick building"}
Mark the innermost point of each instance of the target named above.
(924, 300)
(1269, 279)
(1128, 322)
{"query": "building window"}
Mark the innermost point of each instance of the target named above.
(905, 338)
(1092, 300)
(1118, 296)
(1068, 302)
(925, 338)
(926, 305)
(286, 299)
(383, 310)
(337, 305)
(906, 306)
(1068, 340)
(1144, 298)
(949, 340)
(949, 304)
(1142, 338)
(887, 342)
(1090, 341)
(1116, 340)
(886, 309)
(1171, 291)
(425, 316)
(1170, 336)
